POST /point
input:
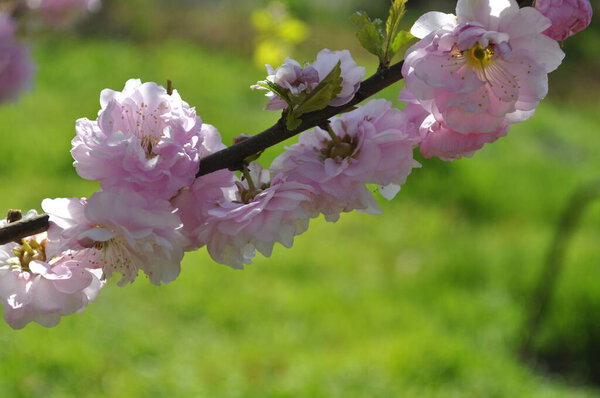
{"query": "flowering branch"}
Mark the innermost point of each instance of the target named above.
(468, 79)
(231, 158)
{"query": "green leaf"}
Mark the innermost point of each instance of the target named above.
(370, 33)
(318, 98)
(275, 88)
(401, 42)
(397, 11)
(392, 26)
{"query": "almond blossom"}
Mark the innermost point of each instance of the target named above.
(352, 74)
(132, 233)
(38, 285)
(568, 16)
(254, 214)
(194, 202)
(144, 140)
(371, 145)
(16, 68)
(482, 69)
(438, 140)
(292, 77)
(295, 79)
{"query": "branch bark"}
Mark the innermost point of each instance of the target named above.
(23, 228)
(233, 156)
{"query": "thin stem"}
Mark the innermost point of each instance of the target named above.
(248, 178)
(336, 140)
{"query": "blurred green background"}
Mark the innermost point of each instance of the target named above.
(427, 300)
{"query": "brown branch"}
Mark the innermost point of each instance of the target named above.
(23, 228)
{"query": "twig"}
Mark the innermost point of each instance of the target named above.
(23, 228)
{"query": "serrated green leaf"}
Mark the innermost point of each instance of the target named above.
(401, 42)
(392, 25)
(397, 11)
(369, 38)
(370, 33)
(361, 18)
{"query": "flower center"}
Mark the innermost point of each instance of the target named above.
(148, 143)
(480, 56)
(30, 250)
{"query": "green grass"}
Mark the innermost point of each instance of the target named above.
(425, 301)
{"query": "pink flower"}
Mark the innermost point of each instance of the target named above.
(62, 12)
(568, 16)
(352, 74)
(292, 77)
(437, 140)
(440, 141)
(144, 140)
(207, 191)
(295, 79)
(254, 217)
(370, 145)
(37, 285)
(132, 232)
(16, 68)
(483, 69)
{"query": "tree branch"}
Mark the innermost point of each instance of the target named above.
(23, 228)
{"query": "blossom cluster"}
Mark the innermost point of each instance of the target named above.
(467, 80)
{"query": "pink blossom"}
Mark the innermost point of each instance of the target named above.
(440, 141)
(373, 145)
(144, 140)
(16, 68)
(37, 285)
(295, 79)
(437, 140)
(132, 232)
(483, 69)
(352, 74)
(207, 191)
(292, 77)
(254, 217)
(568, 16)
(62, 12)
